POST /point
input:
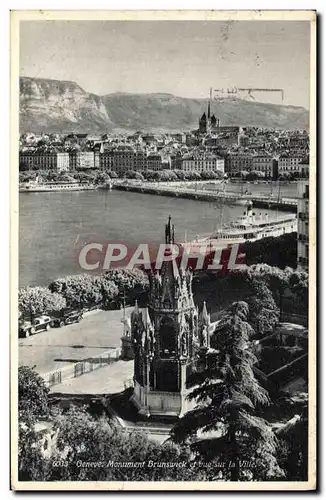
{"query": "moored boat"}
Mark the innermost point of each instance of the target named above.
(248, 227)
(36, 187)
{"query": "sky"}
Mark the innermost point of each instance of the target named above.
(184, 58)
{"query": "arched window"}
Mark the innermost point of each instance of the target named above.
(168, 335)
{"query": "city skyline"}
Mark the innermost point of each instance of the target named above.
(105, 57)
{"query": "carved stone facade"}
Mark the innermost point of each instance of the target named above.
(166, 337)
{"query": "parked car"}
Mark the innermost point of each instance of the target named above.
(66, 317)
(39, 324)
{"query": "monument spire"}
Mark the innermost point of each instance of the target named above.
(169, 232)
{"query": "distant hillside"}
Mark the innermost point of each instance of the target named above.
(63, 106)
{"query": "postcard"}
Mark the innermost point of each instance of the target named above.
(163, 250)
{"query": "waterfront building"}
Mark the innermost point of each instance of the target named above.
(81, 159)
(289, 164)
(106, 160)
(304, 168)
(43, 160)
(202, 163)
(167, 338)
(265, 164)
(153, 162)
(123, 158)
(303, 225)
(235, 163)
(63, 162)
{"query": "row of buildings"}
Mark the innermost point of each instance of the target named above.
(212, 147)
(124, 158)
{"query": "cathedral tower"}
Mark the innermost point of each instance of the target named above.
(167, 336)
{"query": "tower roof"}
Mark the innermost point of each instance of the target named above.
(169, 283)
(203, 116)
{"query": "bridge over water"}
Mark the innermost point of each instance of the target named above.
(172, 189)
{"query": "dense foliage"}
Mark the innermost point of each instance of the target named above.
(84, 291)
(81, 439)
(102, 177)
(278, 251)
(289, 287)
(32, 393)
(33, 301)
(224, 428)
(87, 448)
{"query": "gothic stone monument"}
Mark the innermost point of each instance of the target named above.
(166, 338)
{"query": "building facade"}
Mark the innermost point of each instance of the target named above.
(235, 163)
(265, 164)
(303, 225)
(289, 164)
(44, 161)
(204, 163)
(63, 162)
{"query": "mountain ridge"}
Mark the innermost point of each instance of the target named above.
(64, 106)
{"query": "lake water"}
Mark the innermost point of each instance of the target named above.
(53, 225)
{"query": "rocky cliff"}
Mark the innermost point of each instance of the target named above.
(63, 106)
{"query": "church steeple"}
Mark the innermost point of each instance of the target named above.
(209, 105)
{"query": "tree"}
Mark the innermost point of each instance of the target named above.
(211, 175)
(131, 283)
(32, 466)
(109, 289)
(27, 176)
(299, 286)
(255, 174)
(227, 396)
(33, 301)
(264, 315)
(242, 174)
(82, 439)
(32, 404)
(293, 454)
(285, 176)
(167, 176)
(193, 176)
(82, 290)
(280, 251)
(131, 174)
(181, 174)
(277, 280)
(149, 174)
(32, 393)
(23, 167)
(102, 178)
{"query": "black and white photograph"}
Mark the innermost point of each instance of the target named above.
(163, 250)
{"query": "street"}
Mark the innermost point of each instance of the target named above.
(48, 351)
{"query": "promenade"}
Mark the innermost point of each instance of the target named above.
(98, 332)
